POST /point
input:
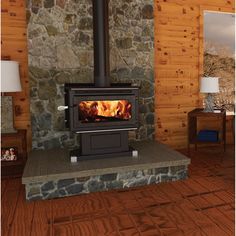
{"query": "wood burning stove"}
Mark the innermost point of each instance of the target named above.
(101, 112)
(93, 109)
(102, 117)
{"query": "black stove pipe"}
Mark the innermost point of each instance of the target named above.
(101, 43)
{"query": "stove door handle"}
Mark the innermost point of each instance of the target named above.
(62, 108)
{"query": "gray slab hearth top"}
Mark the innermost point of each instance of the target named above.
(54, 164)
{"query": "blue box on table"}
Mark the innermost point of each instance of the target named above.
(208, 136)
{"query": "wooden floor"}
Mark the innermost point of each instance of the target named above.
(201, 205)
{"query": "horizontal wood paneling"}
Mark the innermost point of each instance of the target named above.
(14, 47)
(178, 64)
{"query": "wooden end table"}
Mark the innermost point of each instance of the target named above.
(192, 126)
(17, 142)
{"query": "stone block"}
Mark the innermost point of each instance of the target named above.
(74, 189)
(108, 177)
(162, 170)
(117, 184)
(95, 186)
(48, 186)
(64, 183)
(175, 169)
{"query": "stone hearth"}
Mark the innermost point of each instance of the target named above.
(49, 174)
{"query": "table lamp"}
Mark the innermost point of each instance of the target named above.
(209, 85)
(10, 82)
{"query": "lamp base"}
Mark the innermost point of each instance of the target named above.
(209, 103)
(7, 115)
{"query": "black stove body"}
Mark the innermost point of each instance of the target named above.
(103, 117)
(102, 113)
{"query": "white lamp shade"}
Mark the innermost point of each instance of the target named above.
(10, 76)
(209, 85)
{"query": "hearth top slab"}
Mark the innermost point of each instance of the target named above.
(54, 164)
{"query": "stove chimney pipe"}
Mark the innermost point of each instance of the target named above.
(101, 43)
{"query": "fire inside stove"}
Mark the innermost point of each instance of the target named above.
(102, 111)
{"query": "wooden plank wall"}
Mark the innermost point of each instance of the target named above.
(14, 47)
(178, 63)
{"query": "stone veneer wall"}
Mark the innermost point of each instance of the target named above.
(60, 45)
(83, 185)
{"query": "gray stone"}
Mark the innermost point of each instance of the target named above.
(143, 47)
(86, 23)
(69, 143)
(83, 179)
(64, 137)
(108, 177)
(138, 72)
(48, 3)
(38, 72)
(66, 58)
(136, 182)
(149, 74)
(182, 175)
(53, 195)
(142, 133)
(147, 12)
(74, 189)
(34, 10)
(151, 107)
(82, 76)
(59, 123)
(43, 17)
(61, 3)
(36, 32)
(151, 131)
(37, 107)
(125, 175)
(34, 123)
(33, 191)
(123, 73)
(150, 119)
(52, 143)
(82, 39)
(51, 30)
(143, 108)
(69, 18)
(167, 178)
(44, 121)
(33, 82)
(175, 169)
(95, 186)
(114, 184)
(28, 16)
(147, 31)
(35, 198)
(124, 43)
(47, 89)
(147, 89)
(62, 192)
(48, 186)
(65, 182)
(152, 179)
(85, 58)
(162, 170)
(62, 77)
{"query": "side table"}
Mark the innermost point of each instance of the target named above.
(14, 153)
(193, 129)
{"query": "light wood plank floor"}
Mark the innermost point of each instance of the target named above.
(201, 205)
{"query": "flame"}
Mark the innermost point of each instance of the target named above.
(96, 110)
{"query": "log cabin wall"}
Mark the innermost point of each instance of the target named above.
(179, 63)
(14, 47)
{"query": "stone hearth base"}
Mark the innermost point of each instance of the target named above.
(49, 174)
